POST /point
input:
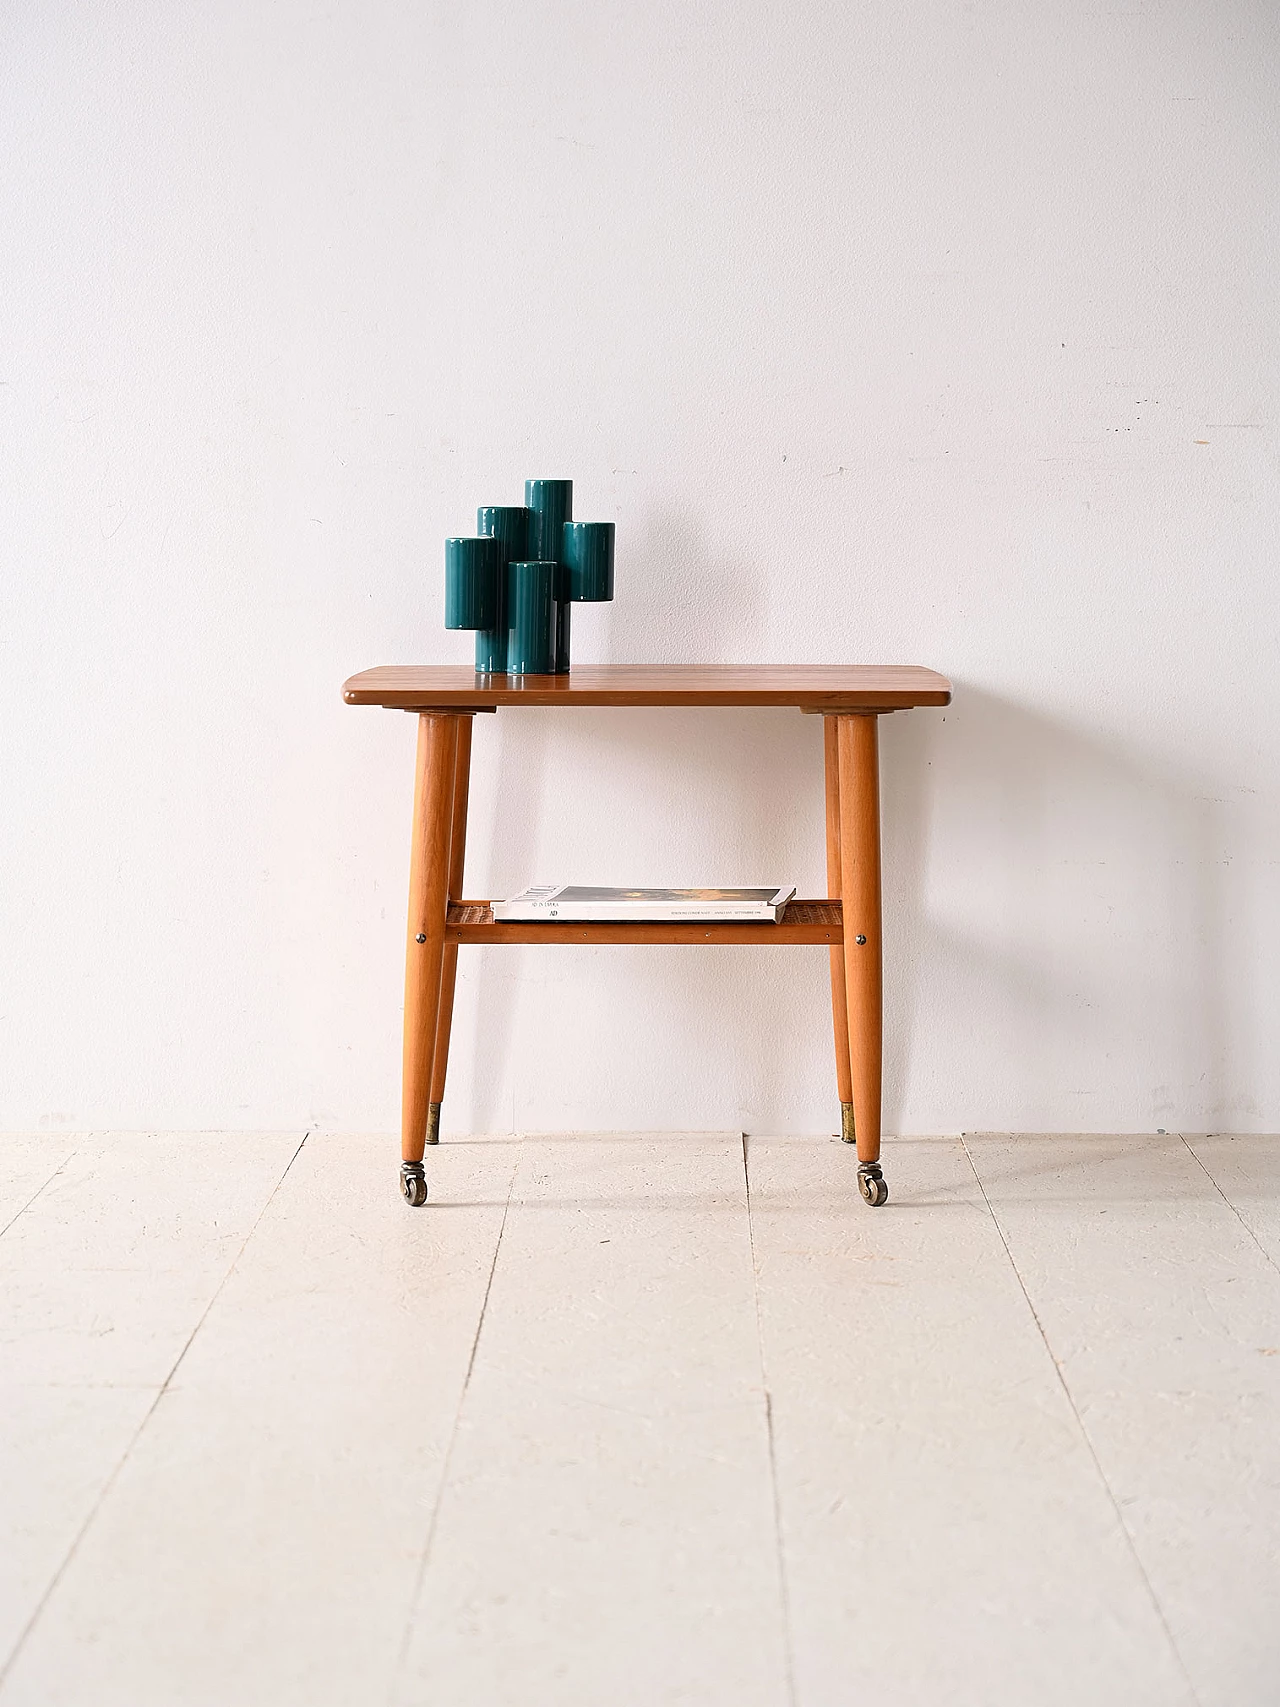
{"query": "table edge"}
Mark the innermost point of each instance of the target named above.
(357, 691)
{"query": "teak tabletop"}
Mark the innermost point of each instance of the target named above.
(811, 687)
(850, 698)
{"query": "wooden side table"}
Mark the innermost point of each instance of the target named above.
(849, 699)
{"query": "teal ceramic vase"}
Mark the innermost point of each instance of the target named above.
(587, 555)
(470, 583)
(531, 605)
(516, 582)
(508, 526)
(551, 505)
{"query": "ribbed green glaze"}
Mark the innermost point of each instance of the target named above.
(508, 524)
(532, 608)
(470, 583)
(550, 506)
(491, 651)
(587, 554)
(551, 502)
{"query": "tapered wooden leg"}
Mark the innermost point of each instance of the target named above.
(449, 967)
(839, 1003)
(860, 897)
(424, 958)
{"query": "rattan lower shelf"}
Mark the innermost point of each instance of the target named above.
(814, 922)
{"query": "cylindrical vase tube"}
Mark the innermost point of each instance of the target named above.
(470, 583)
(508, 524)
(491, 651)
(587, 555)
(551, 505)
(531, 606)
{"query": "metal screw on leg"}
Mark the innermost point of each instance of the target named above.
(420, 937)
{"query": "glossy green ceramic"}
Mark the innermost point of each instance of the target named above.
(551, 503)
(550, 506)
(531, 606)
(508, 524)
(470, 583)
(517, 581)
(587, 554)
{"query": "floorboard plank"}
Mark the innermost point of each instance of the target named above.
(59, 1447)
(977, 1502)
(107, 1273)
(947, 1537)
(262, 1542)
(28, 1161)
(1246, 1170)
(607, 1531)
(105, 1276)
(1164, 1316)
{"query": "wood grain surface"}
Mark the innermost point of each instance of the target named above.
(811, 687)
(428, 901)
(857, 753)
(802, 922)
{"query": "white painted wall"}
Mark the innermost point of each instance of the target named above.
(887, 330)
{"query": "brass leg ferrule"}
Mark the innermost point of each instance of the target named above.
(433, 1123)
(846, 1123)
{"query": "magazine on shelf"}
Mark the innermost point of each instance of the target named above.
(580, 903)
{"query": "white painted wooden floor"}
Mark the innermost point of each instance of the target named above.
(616, 1420)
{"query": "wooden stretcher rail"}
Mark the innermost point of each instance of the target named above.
(815, 922)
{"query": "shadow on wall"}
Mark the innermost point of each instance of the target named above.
(1056, 906)
(1061, 920)
(688, 606)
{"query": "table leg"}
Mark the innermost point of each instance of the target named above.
(859, 783)
(449, 967)
(424, 958)
(839, 1002)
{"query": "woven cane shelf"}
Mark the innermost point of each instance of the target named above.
(818, 922)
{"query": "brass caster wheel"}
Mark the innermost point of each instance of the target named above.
(872, 1185)
(413, 1184)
